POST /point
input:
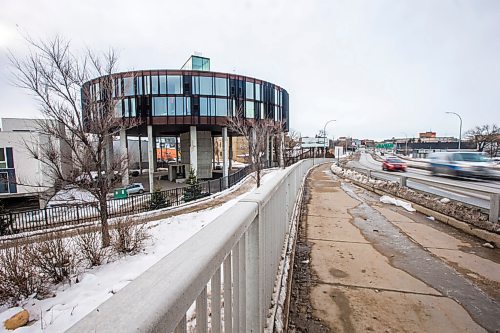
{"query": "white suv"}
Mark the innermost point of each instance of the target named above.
(135, 188)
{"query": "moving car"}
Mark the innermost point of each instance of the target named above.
(135, 188)
(461, 164)
(392, 163)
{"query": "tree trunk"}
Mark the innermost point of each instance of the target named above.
(104, 222)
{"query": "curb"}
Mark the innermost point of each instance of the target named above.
(464, 226)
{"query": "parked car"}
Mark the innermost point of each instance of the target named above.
(135, 188)
(393, 164)
(461, 164)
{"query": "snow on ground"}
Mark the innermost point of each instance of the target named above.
(73, 302)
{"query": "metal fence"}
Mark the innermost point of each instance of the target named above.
(75, 214)
(228, 267)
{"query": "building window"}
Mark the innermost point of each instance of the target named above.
(187, 106)
(163, 84)
(249, 90)
(171, 106)
(159, 106)
(249, 109)
(4, 181)
(196, 85)
(154, 85)
(257, 92)
(205, 85)
(138, 84)
(128, 86)
(147, 86)
(204, 111)
(174, 85)
(220, 86)
(118, 108)
(221, 107)
(3, 159)
(179, 106)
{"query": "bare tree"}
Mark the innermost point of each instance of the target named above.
(486, 137)
(256, 132)
(79, 119)
(292, 141)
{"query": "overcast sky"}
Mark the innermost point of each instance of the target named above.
(380, 68)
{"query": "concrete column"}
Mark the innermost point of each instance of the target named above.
(230, 152)
(271, 161)
(281, 148)
(177, 149)
(193, 149)
(109, 153)
(225, 160)
(124, 154)
(151, 159)
(155, 160)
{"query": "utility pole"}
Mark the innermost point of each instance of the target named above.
(460, 130)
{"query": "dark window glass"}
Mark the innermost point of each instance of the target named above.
(220, 86)
(132, 110)
(4, 182)
(174, 84)
(249, 90)
(212, 106)
(205, 85)
(171, 106)
(128, 86)
(159, 106)
(221, 107)
(187, 106)
(197, 63)
(138, 84)
(154, 85)
(196, 85)
(163, 84)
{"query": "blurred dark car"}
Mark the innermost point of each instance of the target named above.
(393, 164)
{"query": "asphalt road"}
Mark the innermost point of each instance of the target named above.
(463, 190)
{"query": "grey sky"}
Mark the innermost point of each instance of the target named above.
(381, 68)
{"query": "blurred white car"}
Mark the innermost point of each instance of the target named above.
(135, 188)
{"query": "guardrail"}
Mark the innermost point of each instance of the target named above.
(494, 197)
(230, 264)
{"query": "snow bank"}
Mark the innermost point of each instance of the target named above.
(400, 203)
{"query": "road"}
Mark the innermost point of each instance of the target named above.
(363, 266)
(468, 194)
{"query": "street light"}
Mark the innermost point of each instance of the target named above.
(324, 133)
(406, 144)
(460, 132)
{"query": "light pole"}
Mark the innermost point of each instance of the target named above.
(460, 131)
(406, 144)
(324, 134)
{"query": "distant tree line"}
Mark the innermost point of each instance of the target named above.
(487, 138)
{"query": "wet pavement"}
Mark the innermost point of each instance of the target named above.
(364, 266)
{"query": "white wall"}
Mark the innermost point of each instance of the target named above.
(29, 175)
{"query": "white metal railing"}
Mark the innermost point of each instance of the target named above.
(492, 195)
(227, 270)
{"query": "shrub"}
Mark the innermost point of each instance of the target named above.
(89, 245)
(19, 277)
(128, 237)
(54, 258)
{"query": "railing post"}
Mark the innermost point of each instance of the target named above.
(46, 217)
(177, 195)
(255, 321)
(220, 184)
(369, 173)
(402, 181)
(494, 207)
(209, 192)
(132, 203)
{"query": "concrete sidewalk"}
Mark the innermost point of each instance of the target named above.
(363, 266)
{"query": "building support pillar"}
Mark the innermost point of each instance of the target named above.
(151, 158)
(140, 154)
(225, 160)
(124, 154)
(109, 154)
(193, 149)
(230, 152)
